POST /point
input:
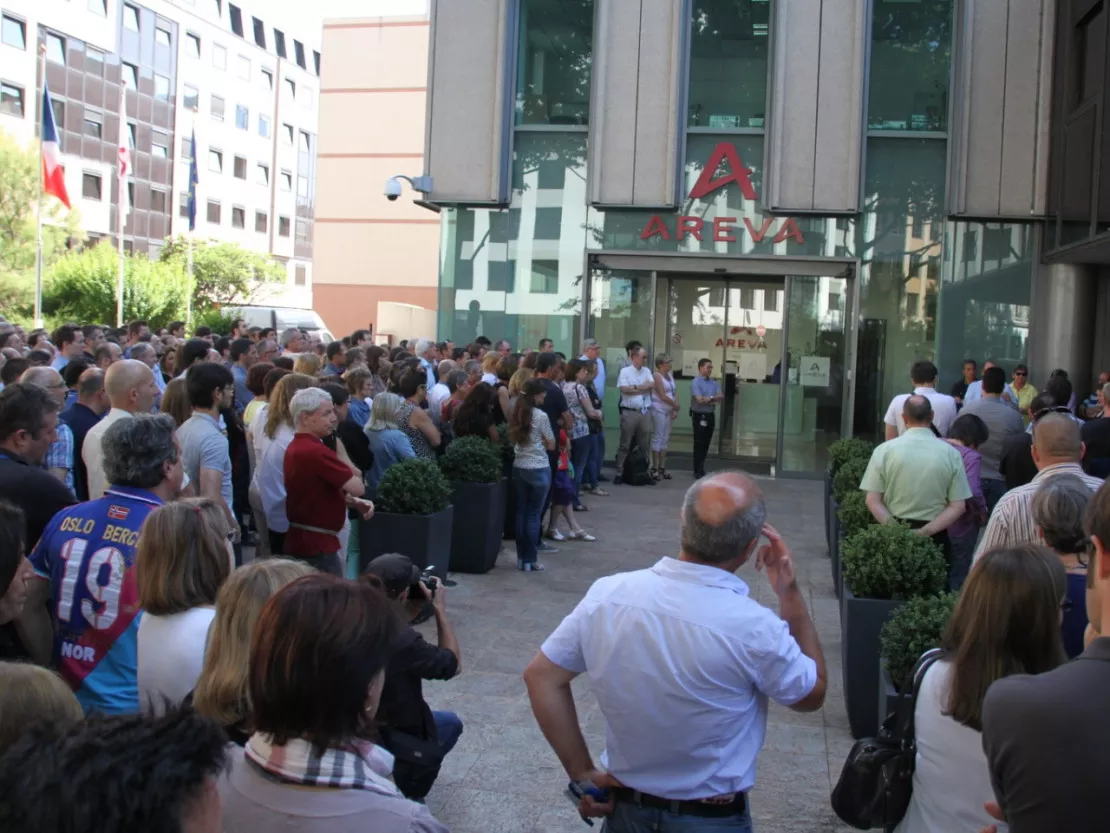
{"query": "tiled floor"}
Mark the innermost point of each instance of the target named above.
(504, 778)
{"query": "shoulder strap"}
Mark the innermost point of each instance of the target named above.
(908, 706)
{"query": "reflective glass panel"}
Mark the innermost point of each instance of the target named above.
(553, 67)
(728, 63)
(911, 54)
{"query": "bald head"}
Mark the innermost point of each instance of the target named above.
(44, 377)
(1056, 440)
(722, 519)
(917, 412)
(129, 383)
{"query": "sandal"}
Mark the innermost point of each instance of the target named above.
(555, 535)
(664, 475)
(581, 508)
(599, 492)
(582, 535)
(529, 567)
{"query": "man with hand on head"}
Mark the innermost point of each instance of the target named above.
(683, 661)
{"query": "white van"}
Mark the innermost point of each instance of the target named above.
(282, 318)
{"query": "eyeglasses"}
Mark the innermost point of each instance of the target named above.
(1059, 409)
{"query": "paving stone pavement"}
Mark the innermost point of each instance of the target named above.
(503, 777)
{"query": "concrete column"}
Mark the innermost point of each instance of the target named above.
(1063, 323)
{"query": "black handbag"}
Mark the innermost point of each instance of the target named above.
(877, 779)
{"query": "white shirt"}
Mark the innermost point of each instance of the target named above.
(944, 410)
(92, 452)
(171, 655)
(489, 378)
(436, 397)
(269, 479)
(975, 391)
(630, 377)
(952, 779)
(682, 661)
(257, 434)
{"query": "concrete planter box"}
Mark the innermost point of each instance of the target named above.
(889, 697)
(426, 539)
(479, 521)
(861, 620)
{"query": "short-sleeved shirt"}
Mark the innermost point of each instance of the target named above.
(572, 392)
(87, 553)
(917, 474)
(34, 490)
(243, 396)
(1003, 424)
(630, 377)
(204, 446)
(92, 452)
(944, 410)
(688, 717)
(314, 478)
(533, 455)
(701, 386)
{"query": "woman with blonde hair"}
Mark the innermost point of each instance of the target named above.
(388, 443)
(182, 558)
(175, 401)
(222, 692)
(664, 410)
(32, 696)
(307, 363)
(489, 368)
(516, 385)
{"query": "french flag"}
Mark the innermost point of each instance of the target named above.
(53, 174)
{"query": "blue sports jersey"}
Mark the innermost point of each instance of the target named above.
(88, 554)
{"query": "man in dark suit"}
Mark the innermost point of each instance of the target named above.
(92, 404)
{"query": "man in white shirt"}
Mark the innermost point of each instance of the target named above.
(131, 390)
(683, 661)
(975, 390)
(635, 383)
(923, 374)
(439, 392)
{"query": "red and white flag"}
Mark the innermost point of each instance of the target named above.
(124, 154)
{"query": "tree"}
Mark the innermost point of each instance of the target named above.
(223, 273)
(19, 184)
(82, 287)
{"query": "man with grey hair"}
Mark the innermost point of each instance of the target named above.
(145, 352)
(293, 341)
(426, 352)
(59, 459)
(319, 486)
(682, 661)
(85, 563)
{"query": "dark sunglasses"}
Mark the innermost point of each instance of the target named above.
(1059, 409)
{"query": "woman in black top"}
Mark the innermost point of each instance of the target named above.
(474, 417)
(15, 573)
(350, 433)
(505, 370)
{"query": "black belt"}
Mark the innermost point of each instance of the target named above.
(637, 410)
(703, 807)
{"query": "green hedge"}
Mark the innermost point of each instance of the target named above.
(889, 561)
(915, 628)
(471, 460)
(854, 514)
(413, 487)
(848, 477)
(846, 449)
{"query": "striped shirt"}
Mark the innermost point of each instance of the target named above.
(60, 454)
(1012, 521)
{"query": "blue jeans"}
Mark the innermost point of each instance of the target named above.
(597, 459)
(448, 729)
(531, 487)
(628, 818)
(581, 451)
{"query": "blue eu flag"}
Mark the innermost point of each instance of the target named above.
(193, 180)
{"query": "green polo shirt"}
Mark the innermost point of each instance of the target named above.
(917, 474)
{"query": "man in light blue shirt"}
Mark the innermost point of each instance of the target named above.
(69, 342)
(426, 350)
(705, 393)
(204, 448)
(683, 661)
(975, 390)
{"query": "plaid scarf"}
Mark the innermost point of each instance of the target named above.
(362, 766)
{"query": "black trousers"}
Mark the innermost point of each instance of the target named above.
(704, 424)
(941, 539)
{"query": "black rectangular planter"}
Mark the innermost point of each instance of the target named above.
(426, 539)
(478, 525)
(837, 571)
(835, 540)
(889, 698)
(828, 509)
(860, 621)
(831, 521)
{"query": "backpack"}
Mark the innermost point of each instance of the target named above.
(637, 467)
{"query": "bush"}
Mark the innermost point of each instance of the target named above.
(413, 487)
(507, 453)
(915, 628)
(220, 322)
(889, 561)
(472, 460)
(848, 477)
(844, 450)
(854, 514)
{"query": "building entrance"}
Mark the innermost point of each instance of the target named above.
(781, 348)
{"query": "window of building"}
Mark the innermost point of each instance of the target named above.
(243, 68)
(971, 245)
(94, 62)
(545, 277)
(283, 226)
(91, 186)
(302, 229)
(131, 135)
(279, 43)
(186, 148)
(771, 300)
(219, 56)
(55, 48)
(266, 79)
(183, 204)
(302, 186)
(130, 17)
(239, 167)
(236, 19)
(11, 100)
(298, 54)
(305, 143)
(835, 299)
(287, 134)
(219, 4)
(728, 64)
(747, 298)
(130, 74)
(264, 126)
(159, 149)
(306, 98)
(213, 212)
(158, 200)
(261, 221)
(216, 161)
(59, 108)
(259, 32)
(300, 275)
(190, 97)
(291, 86)
(262, 174)
(192, 45)
(242, 117)
(99, 7)
(161, 87)
(316, 61)
(286, 181)
(556, 45)
(238, 217)
(161, 36)
(910, 56)
(217, 108)
(94, 124)
(13, 32)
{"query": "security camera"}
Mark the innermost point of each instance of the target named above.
(392, 189)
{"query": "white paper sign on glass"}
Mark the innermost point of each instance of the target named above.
(814, 371)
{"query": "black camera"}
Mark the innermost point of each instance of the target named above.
(429, 580)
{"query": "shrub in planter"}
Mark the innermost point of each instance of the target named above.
(474, 467)
(890, 561)
(912, 630)
(413, 487)
(848, 477)
(412, 516)
(846, 449)
(854, 514)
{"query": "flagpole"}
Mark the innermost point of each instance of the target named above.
(189, 230)
(40, 72)
(122, 195)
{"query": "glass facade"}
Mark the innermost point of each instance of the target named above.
(824, 352)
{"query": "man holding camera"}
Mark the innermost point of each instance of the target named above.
(418, 737)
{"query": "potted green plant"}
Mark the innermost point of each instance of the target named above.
(840, 452)
(852, 516)
(884, 566)
(915, 628)
(412, 516)
(473, 467)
